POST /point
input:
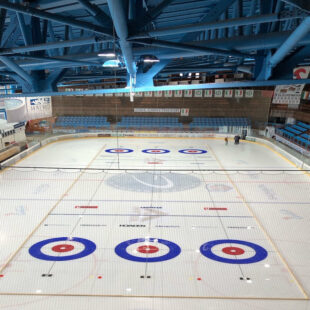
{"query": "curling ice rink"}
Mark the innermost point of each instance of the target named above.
(169, 235)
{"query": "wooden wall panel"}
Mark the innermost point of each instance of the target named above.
(256, 108)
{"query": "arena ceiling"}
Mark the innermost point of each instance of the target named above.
(50, 43)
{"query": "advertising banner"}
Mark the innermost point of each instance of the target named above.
(168, 93)
(198, 93)
(178, 93)
(228, 93)
(155, 110)
(208, 93)
(300, 73)
(288, 94)
(238, 93)
(39, 107)
(249, 93)
(188, 93)
(218, 93)
(20, 109)
(184, 112)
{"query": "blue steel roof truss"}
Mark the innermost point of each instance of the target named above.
(45, 44)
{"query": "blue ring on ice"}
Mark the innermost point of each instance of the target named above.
(115, 151)
(155, 151)
(36, 252)
(174, 250)
(188, 151)
(260, 252)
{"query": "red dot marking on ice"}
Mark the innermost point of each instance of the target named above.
(192, 151)
(100, 277)
(1, 275)
(199, 279)
(146, 249)
(155, 151)
(233, 251)
(62, 248)
(119, 151)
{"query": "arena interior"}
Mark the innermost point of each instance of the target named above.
(155, 154)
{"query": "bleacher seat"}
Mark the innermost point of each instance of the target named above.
(306, 136)
(287, 133)
(303, 141)
(301, 129)
(288, 128)
(304, 125)
(215, 122)
(138, 122)
(82, 122)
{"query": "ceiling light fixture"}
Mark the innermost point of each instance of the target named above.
(106, 55)
(149, 59)
(113, 63)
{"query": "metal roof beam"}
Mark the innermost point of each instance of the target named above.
(146, 79)
(54, 17)
(101, 17)
(51, 33)
(119, 18)
(205, 69)
(247, 31)
(301, 4)
(54, 78)
(11, 31)
(24, 29)
(60, 60)
(52, 64)
(238, 84)
(286, 67)
(290, 43)
(2, 22)
(190, 48)
(242, 44)
(93, 77)
(17, 69)
(154, 13)
(243, 21)
(51, 45)
(213, 15)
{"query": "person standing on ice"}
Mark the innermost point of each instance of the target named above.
(226, 140)
(237, 138)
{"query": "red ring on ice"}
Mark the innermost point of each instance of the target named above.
(233, 251)
(61, 248)
(147, 249)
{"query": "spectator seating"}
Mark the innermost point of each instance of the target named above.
(215, 122)
(82, 122)
(136, 122)
(299, 134)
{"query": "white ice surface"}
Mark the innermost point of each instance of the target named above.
(269, 208)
